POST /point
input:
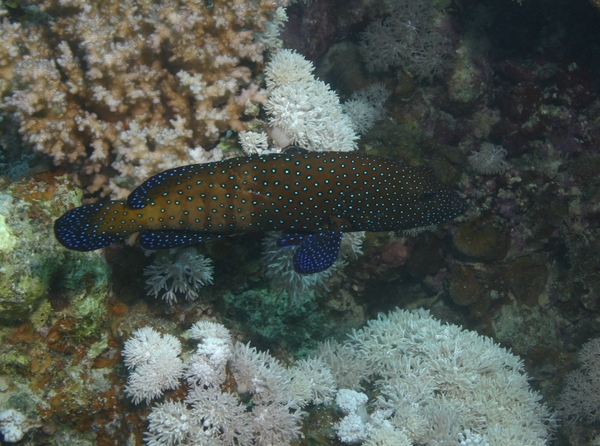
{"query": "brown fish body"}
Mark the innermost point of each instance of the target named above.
(294, 192)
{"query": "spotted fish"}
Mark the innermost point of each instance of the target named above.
(312, 196)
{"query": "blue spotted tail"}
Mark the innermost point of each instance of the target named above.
(79, 228)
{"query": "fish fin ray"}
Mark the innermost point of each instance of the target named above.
(161, 182)
(292, 150)
(155, 239)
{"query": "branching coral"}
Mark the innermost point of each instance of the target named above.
(130, 88)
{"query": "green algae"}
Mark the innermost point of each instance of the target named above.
(12, 360)
(273, 320)
(36, 269)
(84, 282)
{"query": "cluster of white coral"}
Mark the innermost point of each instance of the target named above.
(302, 110)
(367, 106)
(211, 415)
(14, 425)
(305, 112)
(155, 361)
(254, 142)
(409, 37)
(428, 383)
(206, 367)
(352, 428)
(438, 383)
(184, 275)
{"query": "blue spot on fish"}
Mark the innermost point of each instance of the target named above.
(168, 239)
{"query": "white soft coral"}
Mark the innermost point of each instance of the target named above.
(579, 398)
(184, 275)
(489, 160)
(155, 360)
(207, 366)
(209, 415)
(303, 110)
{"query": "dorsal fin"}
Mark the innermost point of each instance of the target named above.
(292, 150)
(159, 182)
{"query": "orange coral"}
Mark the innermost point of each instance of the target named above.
(129, 88)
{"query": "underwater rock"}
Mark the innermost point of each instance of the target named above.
(471, 283)
(427, 256)
(465, 285)
(482, 240)
(468, 79)
(34, 265)
(527, 276)
(14, 425)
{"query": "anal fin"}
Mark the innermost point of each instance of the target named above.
(155, 239)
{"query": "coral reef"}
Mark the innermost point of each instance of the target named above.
(33, 263)
(411, 38)
(123, 90)
(112, 89)
(433, 382)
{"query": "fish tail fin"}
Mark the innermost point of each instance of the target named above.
(92, 226)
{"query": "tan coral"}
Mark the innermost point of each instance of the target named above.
(120, 90)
